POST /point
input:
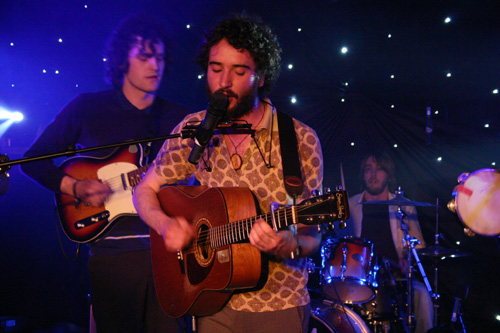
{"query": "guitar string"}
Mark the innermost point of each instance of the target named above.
(234, 225)
(116, 182)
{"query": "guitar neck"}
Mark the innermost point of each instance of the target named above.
(135, 176)
(240, 230)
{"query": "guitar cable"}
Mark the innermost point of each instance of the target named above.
(59, 238)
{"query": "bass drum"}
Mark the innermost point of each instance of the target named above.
(327, 316)
(476, 201)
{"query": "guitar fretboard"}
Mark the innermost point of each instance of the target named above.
(135, 176)
(240, 230)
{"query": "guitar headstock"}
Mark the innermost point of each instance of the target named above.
(326, 208)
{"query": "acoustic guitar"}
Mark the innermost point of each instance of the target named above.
(200, 279)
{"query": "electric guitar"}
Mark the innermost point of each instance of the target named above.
(199, 280)
(82, 223)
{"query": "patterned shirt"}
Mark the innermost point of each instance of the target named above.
(286, 286)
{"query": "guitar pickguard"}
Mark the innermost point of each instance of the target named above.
(120, 201)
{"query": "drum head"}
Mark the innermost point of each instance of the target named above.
(334, 317)
(477, 199)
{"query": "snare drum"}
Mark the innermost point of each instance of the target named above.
(347, 270)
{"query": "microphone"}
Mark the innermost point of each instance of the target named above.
(461, 291)
(215, 110)
(428, 127)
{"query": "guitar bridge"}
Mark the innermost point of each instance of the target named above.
(92, 220)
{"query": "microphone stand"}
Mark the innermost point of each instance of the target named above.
(188, 131)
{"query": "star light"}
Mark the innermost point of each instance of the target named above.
(395, 145)
(56, 71)
(188, 26)
(290, 66)
(104, 59)
(293, 100)
(352, 144)
(393, 76)
(447, 20)
(486, 125)
(11, 44)
(495, 91)
(344, 50)
(60, 40)
(439, 159)
(448, 74)
(299, 29)
(389, 36)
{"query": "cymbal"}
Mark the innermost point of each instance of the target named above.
(440, 251)
(398, 201)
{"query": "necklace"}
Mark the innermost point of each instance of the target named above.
(235, 158)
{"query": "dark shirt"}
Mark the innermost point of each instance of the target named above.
(94, 119)
(377, 228)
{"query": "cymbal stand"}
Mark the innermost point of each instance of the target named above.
(410, 243)
(435, 299)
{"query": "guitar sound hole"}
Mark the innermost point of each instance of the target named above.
(204, 252)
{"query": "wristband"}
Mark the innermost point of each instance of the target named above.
(74, 189)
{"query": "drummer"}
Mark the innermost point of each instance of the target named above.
(380, 224)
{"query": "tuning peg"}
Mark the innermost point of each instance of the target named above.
(342, 225)
(315, 193)
(469, 232)
(318, 226)
(327, 189)
(330, 226)
(339, 187)
(452, 206)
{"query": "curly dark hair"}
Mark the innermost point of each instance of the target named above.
(246, 33)
(386, 163)
(124, 37)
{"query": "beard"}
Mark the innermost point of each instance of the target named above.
(245, 102)
(376, 189)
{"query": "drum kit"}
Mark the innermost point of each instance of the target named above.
(356, 297)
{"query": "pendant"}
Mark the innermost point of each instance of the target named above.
(236, 161)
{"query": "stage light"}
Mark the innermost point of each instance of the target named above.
(14, 116)
(8, 117)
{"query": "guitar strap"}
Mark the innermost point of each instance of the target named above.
(152, 128)
(292, 175)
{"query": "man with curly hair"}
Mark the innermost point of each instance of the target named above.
(241, 59)
(123, 294)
